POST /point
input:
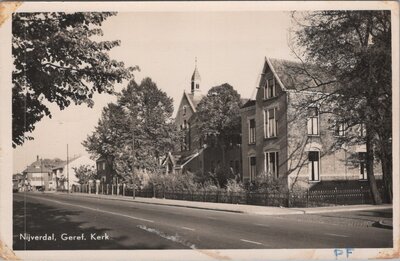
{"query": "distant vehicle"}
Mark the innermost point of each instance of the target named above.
(15, 185)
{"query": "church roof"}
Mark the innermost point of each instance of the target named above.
(195, 98)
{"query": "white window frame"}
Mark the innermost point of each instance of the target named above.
(252, 175)
(252, 135)
(267, 88)
(361, 130)
(340, 129)
(311, 165)
(267, 131)
(267, 165)
(313, 123)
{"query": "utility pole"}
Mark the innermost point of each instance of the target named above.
(67, 170)
(133, 156)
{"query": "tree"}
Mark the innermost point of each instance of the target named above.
(354, 47)
(57, 60)
(136, 131)
(219, 116)
(84, 173)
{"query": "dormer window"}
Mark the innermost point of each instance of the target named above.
(270, 88)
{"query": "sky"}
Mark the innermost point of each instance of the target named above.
(230, 48)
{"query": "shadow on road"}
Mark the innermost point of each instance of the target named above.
(38, 219)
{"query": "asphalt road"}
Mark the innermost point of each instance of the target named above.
(111, 224)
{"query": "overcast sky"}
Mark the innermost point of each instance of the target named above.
(230, 48)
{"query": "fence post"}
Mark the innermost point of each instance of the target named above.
(362, 195)
(336, 196)
(307, 195)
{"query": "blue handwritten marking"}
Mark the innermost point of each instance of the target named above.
(339, 252)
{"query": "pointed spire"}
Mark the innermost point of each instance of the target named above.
(196, 74)
(195, 81)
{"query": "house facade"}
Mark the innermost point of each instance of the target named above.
(105, 171)
(39, 174)
(194, 153)
(66, 171)
(294, 143)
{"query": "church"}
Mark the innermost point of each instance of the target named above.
(194, 154)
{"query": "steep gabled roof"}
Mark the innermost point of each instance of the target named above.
(300, 76)
(249, 103)
(45, 165)
(193, 99)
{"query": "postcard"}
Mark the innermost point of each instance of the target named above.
(199, 130)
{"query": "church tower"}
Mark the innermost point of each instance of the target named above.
(195, 84)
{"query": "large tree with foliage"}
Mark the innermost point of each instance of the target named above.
(57, 59)
(354, 47)
(218, 116)
(136, 131)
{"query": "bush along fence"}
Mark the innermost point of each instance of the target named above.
(310, 198)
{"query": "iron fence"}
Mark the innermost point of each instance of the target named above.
(311, 198)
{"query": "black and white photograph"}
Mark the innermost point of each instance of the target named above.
(208, 127)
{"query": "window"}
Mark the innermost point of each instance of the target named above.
(252, 168)
(313, 165)
(361, 130)
(269, 89)
(362, 157)
(252, 131)
(189, 138)
(271, 123)
(340, 129)
(184, 110)
(271, 164)
(197, 86)
(313, 121)
(104, 165)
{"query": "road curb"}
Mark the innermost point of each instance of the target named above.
(381, 224)
(161, 204)
(321, 211)
(290, 211)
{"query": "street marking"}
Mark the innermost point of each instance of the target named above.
(335, 235)
(262, 225)
(188, 228)
(249, 241)
(175, 238)
(98, 210)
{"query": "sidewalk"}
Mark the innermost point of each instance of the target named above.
(236, 208)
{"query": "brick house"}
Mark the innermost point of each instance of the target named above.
(292, 143)
(105, 170)
(195, 154)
